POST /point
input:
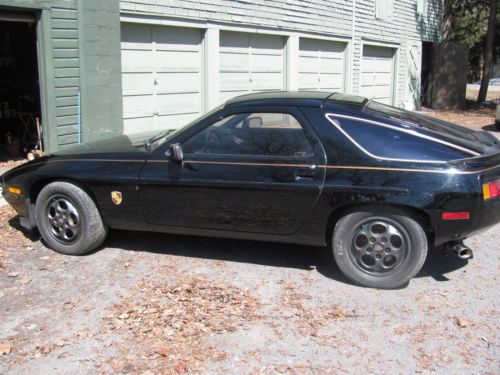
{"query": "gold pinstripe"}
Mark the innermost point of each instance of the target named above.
(351, 167)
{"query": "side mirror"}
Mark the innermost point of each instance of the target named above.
(175, 153)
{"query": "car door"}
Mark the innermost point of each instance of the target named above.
(251, 170)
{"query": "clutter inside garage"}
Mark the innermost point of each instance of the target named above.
(19, 87)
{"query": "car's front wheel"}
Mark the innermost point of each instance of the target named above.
(68, 219)
(380, 248)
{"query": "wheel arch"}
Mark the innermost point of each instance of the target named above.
(421, 216)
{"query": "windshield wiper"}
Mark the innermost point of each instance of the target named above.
(156, 137)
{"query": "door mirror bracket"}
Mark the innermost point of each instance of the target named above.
(175, 153)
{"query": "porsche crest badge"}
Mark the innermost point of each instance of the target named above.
(116, 197)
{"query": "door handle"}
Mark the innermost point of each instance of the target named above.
(195, 167)
(304, 175)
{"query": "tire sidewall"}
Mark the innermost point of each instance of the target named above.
(74, 194)
(415, 257)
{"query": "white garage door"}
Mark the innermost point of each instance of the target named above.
(321, 65)
(377, 73)
(161, 76)
(250, 62)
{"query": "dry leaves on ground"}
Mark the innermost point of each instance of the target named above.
(170, 325)
(474, 118)
(12, 238)
(11, 163)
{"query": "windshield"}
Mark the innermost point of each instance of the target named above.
(157, 140)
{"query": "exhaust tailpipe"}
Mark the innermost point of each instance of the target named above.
(460, 250)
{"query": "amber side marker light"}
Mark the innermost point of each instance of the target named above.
(491, 189)
(455, 216)
(14, 190)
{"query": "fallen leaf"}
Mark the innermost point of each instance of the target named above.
(60, 343)
(5, 348)
(163, 350)
(462, 323)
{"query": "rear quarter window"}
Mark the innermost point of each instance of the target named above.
(384, 142)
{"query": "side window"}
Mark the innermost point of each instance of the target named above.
(252, 134)
(384, 142)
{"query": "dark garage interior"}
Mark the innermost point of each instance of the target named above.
(19, 84)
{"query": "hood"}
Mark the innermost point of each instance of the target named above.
(133, 143)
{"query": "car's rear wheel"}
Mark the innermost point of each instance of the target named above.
(378, 247)
(68, 219)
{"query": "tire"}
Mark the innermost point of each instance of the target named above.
(68, 219)
(379, 247)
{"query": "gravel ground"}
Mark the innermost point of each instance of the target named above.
(164, 304)
(176, 304)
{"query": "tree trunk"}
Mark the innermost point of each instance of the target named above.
(447, 24)
(488, 53)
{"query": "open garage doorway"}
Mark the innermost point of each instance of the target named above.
(19, 84)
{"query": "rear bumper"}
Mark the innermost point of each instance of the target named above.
(488, 214)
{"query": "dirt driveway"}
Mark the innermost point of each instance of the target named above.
(175, 304)
(164, 304)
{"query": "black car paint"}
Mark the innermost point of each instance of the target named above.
(262, 198)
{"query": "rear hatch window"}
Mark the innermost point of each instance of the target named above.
(478, 141)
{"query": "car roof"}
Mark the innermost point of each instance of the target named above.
(310, 98)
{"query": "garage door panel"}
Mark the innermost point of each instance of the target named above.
(308, 64)
(331, 65)
(137, 125)
(161, 75)
(176, 37)
(178, 82)
(175, 60)
(262, 43)
(267, 63)
(377, 73)
(234, 81)
(136, 83)
(379, 66)
(308, 81)
(266, 81)
(326, 46)
(321, 64)
(378, 52)
(331, 81)
(382, 79)
(235, 41)
(138, 106)
(250, 62)
(136, 35)
(171, 104)
(137, 61)
(234, 62)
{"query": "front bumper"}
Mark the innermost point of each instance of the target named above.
(23, 207)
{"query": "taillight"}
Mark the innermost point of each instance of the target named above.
(491, 189)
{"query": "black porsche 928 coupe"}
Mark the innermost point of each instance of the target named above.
(378, 184)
